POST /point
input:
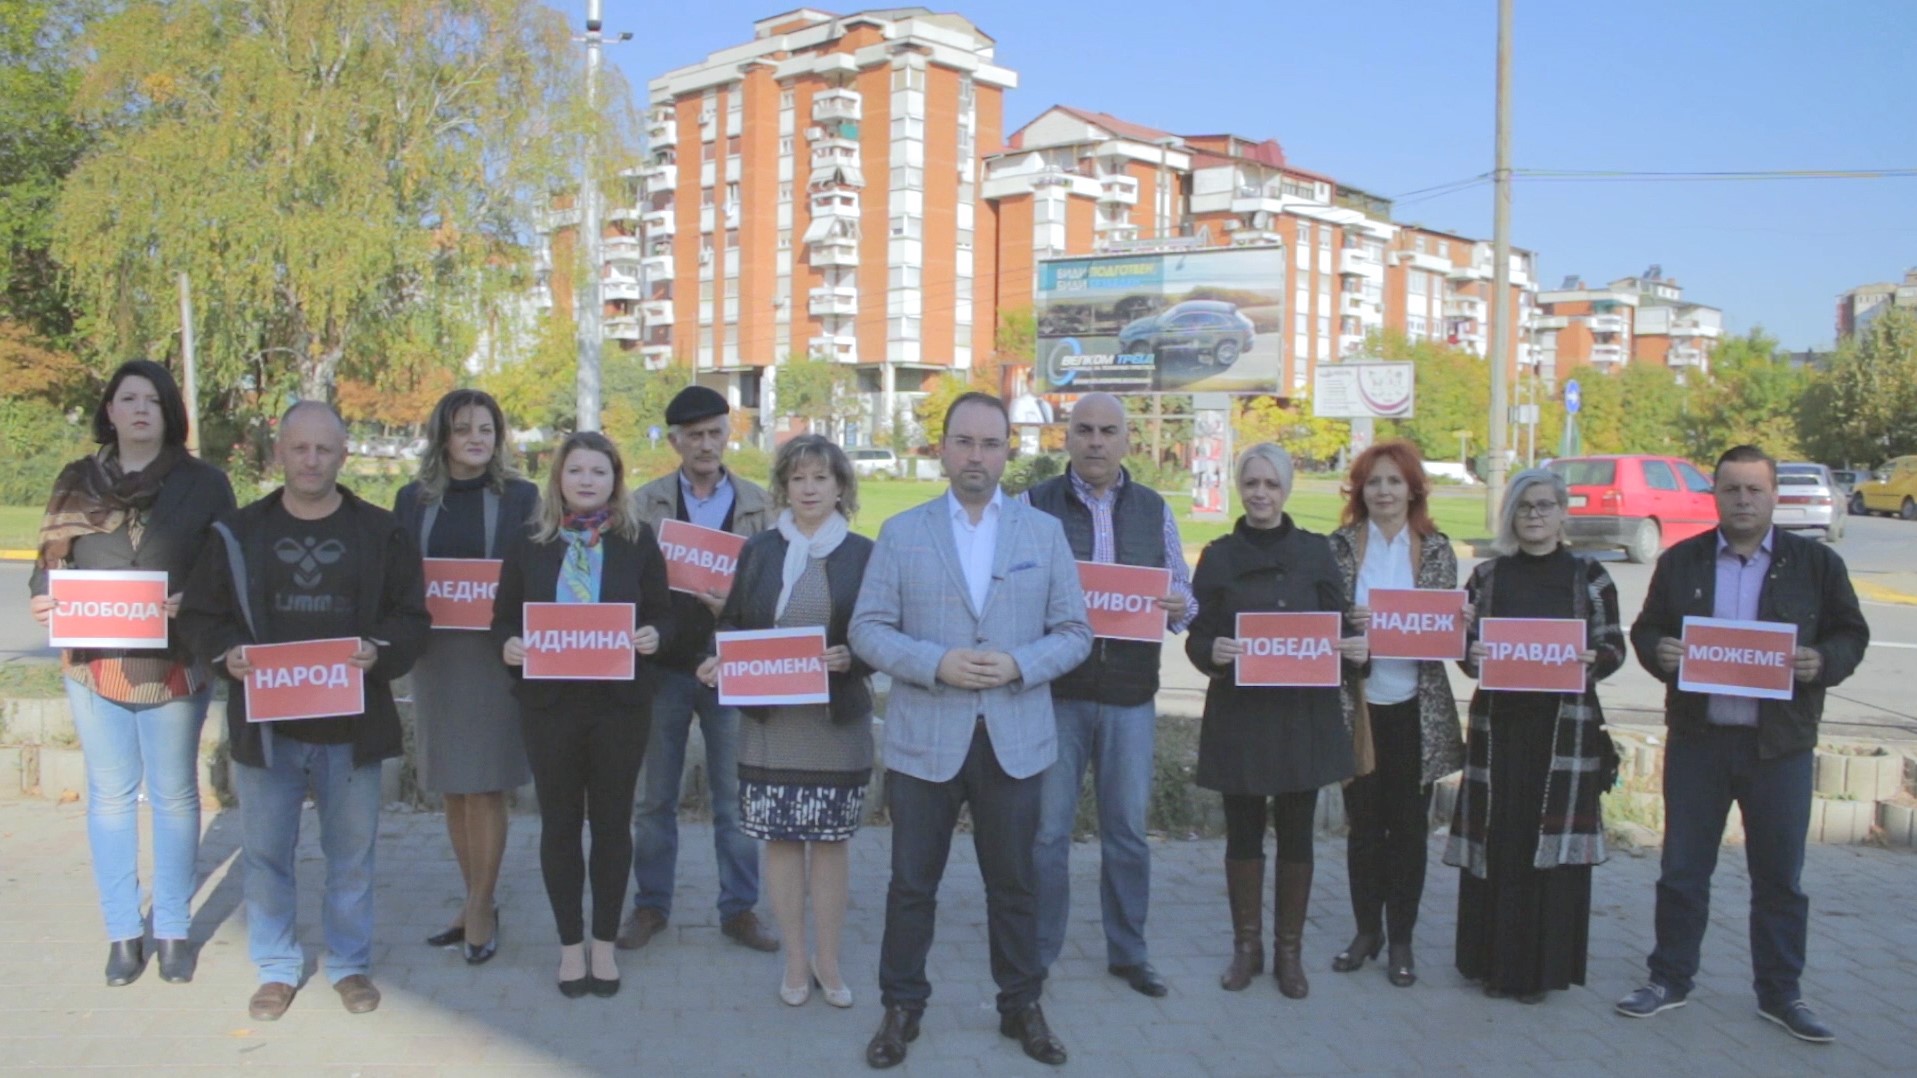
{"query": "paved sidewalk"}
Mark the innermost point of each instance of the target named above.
(696, 1004)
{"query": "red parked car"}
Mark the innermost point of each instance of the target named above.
(1640, 502)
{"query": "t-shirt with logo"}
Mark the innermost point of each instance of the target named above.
(312, 594)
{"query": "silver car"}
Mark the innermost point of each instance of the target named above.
(1808, 497)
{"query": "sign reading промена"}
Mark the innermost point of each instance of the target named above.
(579, 641)
(95, 608)
(460, 592)
(765, 667)
(1738, 658)
(310, 679)
(699, 559)
(1532, 654)
(1416, 623)
(1121, 601)
(1299, 650)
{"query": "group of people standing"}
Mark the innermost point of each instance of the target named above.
(1001, 699)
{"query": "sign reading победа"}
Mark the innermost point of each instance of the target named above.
(1737, 658)
(1299, 650)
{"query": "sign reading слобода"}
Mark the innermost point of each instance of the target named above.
(460, 591)
(763, 667)
(107, 609)
(310, 679)
(1532, 654)
(1121, 601)
(699, 559)
(1415, 623)
(1738, 658)
(579, 641)
(1289, 649)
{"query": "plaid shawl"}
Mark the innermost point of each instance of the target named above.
(1571, 827)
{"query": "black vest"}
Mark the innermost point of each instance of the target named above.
(1123, 673)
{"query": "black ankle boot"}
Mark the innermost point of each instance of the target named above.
(126, 960)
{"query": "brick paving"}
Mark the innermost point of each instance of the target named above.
(694, 1003)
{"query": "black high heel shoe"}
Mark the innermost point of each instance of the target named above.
(576, 988)
(483, 953)
(1364, 947)
(1401, 968)
(126, 960)
(451, 937)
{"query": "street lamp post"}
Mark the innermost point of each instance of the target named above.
(1501, 273)
(588, 306)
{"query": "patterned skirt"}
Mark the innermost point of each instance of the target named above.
(801, 811)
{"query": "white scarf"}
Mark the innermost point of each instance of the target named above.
(800, 550)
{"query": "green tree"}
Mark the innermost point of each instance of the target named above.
(1453, 393)
(40, 140)
(536, 391)
(1312, 441)
(817, 391)
(1638, 409)
(947, 387)
(331, 176)
(1752, 396)
(1863, 409)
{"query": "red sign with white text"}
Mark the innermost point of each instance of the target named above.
(310, 679)
(579, 641)
(1121, 601)
(460, 591)
(1289, 649)
(699, 559)
(763, 667)
(1532, 654)
(1738, 658)
(1416, 623)
(107, 609)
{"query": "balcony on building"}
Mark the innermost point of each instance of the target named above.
(1691, 327)
(656, 311)
(622, 327)
(624, 214)
(656, 266)
(1464, 307)
(660, 175)
(1607, 353)
(663, 133)
(1686, 356)
(550, 220)
(843, 347)
(620, 248)
(1255, 237)
(835, 251)
(1607, 323)
(837, 301)
(836, 164)
(1122, 190)
(1476, 271)
(619, 286)
(1350, 344)
(658, 223)
(834, 131)
(836, 104)
(656, 355)
(1363, 306)
(835, 204)
(1359, 262)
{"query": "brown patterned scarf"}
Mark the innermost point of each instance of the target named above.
(95, 496)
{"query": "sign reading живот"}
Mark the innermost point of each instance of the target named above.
(1121, 601)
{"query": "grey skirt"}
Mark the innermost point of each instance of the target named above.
(466, 732)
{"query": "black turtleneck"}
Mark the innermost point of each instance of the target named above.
(459, 531)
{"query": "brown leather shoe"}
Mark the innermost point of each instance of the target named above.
(358, 993)
(270, 1001)
(745, 930)
(641, 925)
(1027, 1026)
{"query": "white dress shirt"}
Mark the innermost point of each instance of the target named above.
(977, 543)
(1387, 565)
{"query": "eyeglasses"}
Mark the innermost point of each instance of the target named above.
(1536, 509)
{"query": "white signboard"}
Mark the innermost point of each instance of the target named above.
(1362, 391)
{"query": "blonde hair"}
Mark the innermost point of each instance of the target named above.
(1507, 539)
(434, 473)
(1271, 453)
(552, 504)
(811, 448)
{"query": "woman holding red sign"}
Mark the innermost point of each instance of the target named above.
(585, 738)
(1402, 715)
(468, 501)
(140, 503)
(1527, 827)
(803, 768)
(1268, 750)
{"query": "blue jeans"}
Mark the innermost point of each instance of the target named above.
(270, 801)
(655, 823)
(124, 745)
(1703, 773)
(1117, 743)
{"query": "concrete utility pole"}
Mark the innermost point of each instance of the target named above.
(587, 305)
(189, 368)
(1501, 274)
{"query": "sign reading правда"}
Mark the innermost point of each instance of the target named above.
(1738, 658)
(1532, 654)
(764, 667)
(699, 559)
(1289, 649)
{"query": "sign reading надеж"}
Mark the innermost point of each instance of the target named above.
(699, 559)
(460, 592)
(1738, 658)
(1121, 601)
(579, 641)
(763, 667)
(1416, 623)
(1289, 649)
(1532, 654)
(99, 608)
(310, 679)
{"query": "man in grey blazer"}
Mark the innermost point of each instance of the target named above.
(972, 604)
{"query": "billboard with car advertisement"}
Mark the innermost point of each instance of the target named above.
(1201, 321)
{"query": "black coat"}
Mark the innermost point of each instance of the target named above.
(518, 505)
(754, 599)
(1265, 740)
(1807, 586)
(634, 572)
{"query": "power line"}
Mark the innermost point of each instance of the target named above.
(1638, 176)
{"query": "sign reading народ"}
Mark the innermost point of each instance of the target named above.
(1299, 650)
(579, 641)
(1416, 623)
(699, 559)
(100, 608)
(764, 667)
(1532, 654)
(460, 592)
(1121, 601)
(309, 679)
(1738, 658)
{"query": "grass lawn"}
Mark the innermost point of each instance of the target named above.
(20, 526)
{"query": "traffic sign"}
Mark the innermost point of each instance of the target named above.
(1573, 398)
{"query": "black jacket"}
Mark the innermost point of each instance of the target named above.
(634, 572)
(1807, 586)
(518, 505)
(226, 607)
(754, 598)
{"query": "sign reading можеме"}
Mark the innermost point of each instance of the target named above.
(1738, 658)
(1532, 654)
(579, 641)
(94, 608)
(764, 667)
(1121, 601)
(1416, 623)
(1289, 649)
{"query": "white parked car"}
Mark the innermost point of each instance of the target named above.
(872, 461)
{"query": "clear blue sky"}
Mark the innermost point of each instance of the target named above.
(1397, 96)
